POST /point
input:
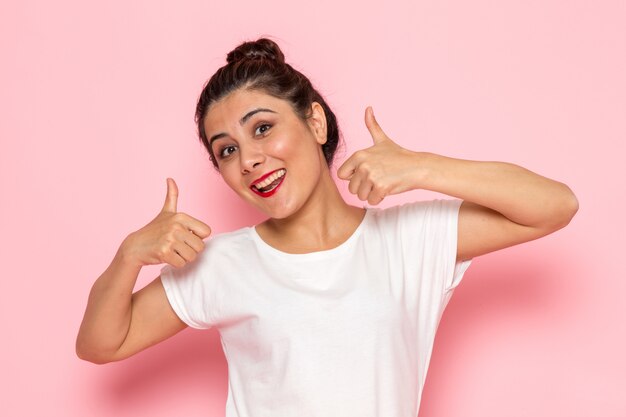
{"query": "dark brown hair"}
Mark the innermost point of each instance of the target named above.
(260, 65)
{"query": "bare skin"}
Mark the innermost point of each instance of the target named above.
(503, 205)
(117, 323)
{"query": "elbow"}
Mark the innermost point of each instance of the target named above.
(571, 206)
(90, 355)
(91, 358)
(565, 210)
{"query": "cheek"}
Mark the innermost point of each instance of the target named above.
(294, 145)
(229, 177)
(279, 147)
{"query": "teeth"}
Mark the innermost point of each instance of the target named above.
(270, 179)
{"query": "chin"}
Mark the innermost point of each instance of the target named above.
(276, 207)
(278, 213)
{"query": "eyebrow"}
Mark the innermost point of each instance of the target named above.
(243, 120)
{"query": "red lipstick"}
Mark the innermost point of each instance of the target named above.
(262, 178)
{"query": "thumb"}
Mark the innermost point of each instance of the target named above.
(172, 196)
(372, 125)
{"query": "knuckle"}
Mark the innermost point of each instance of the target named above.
(170, 236)
(177, 228)
(176, 259)
(179, 217)
(162, 254)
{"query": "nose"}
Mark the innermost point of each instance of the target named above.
(251, 157)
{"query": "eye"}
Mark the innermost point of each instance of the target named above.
(226, 151)
(262, 128)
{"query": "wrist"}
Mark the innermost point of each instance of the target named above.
(422, 166)
(125, 256)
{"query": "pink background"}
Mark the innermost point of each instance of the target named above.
(97, 106)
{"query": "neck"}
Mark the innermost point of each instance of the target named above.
(323, 222)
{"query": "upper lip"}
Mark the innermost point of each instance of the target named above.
(258, 180)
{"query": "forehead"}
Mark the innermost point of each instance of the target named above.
(229, 110)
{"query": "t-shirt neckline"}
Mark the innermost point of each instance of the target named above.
(342, 247)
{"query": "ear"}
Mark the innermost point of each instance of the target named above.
(317, 122)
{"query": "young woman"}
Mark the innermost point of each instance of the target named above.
(324, 309)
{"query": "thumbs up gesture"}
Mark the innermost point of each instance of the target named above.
(383, 169)
(171, 237)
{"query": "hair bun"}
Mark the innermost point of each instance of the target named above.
(262, 48)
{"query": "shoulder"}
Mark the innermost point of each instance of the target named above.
(220, 249)
(419, 210)
(428, 218)
(230, 240)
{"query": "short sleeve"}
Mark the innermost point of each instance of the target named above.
(432, 229)
(426, 234)
(189, 292)
(453, 269)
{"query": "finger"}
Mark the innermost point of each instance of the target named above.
(190, 239)
(174, 259)
(372, 125)
(171, 198)
(185, 251)
(364, 190)
(375, 197)
(355, 184)
(200, 229)
(346, 169)
(373, 201)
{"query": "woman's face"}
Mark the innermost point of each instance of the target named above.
(265, 152)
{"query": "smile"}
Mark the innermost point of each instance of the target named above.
(268, 184)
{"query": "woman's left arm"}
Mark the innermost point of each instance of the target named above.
(503, 204)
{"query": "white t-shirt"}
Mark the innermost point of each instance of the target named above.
(342, 332)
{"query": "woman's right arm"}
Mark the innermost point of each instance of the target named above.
(118, 323)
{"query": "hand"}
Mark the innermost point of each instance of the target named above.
(380, 170)
(171, 237)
